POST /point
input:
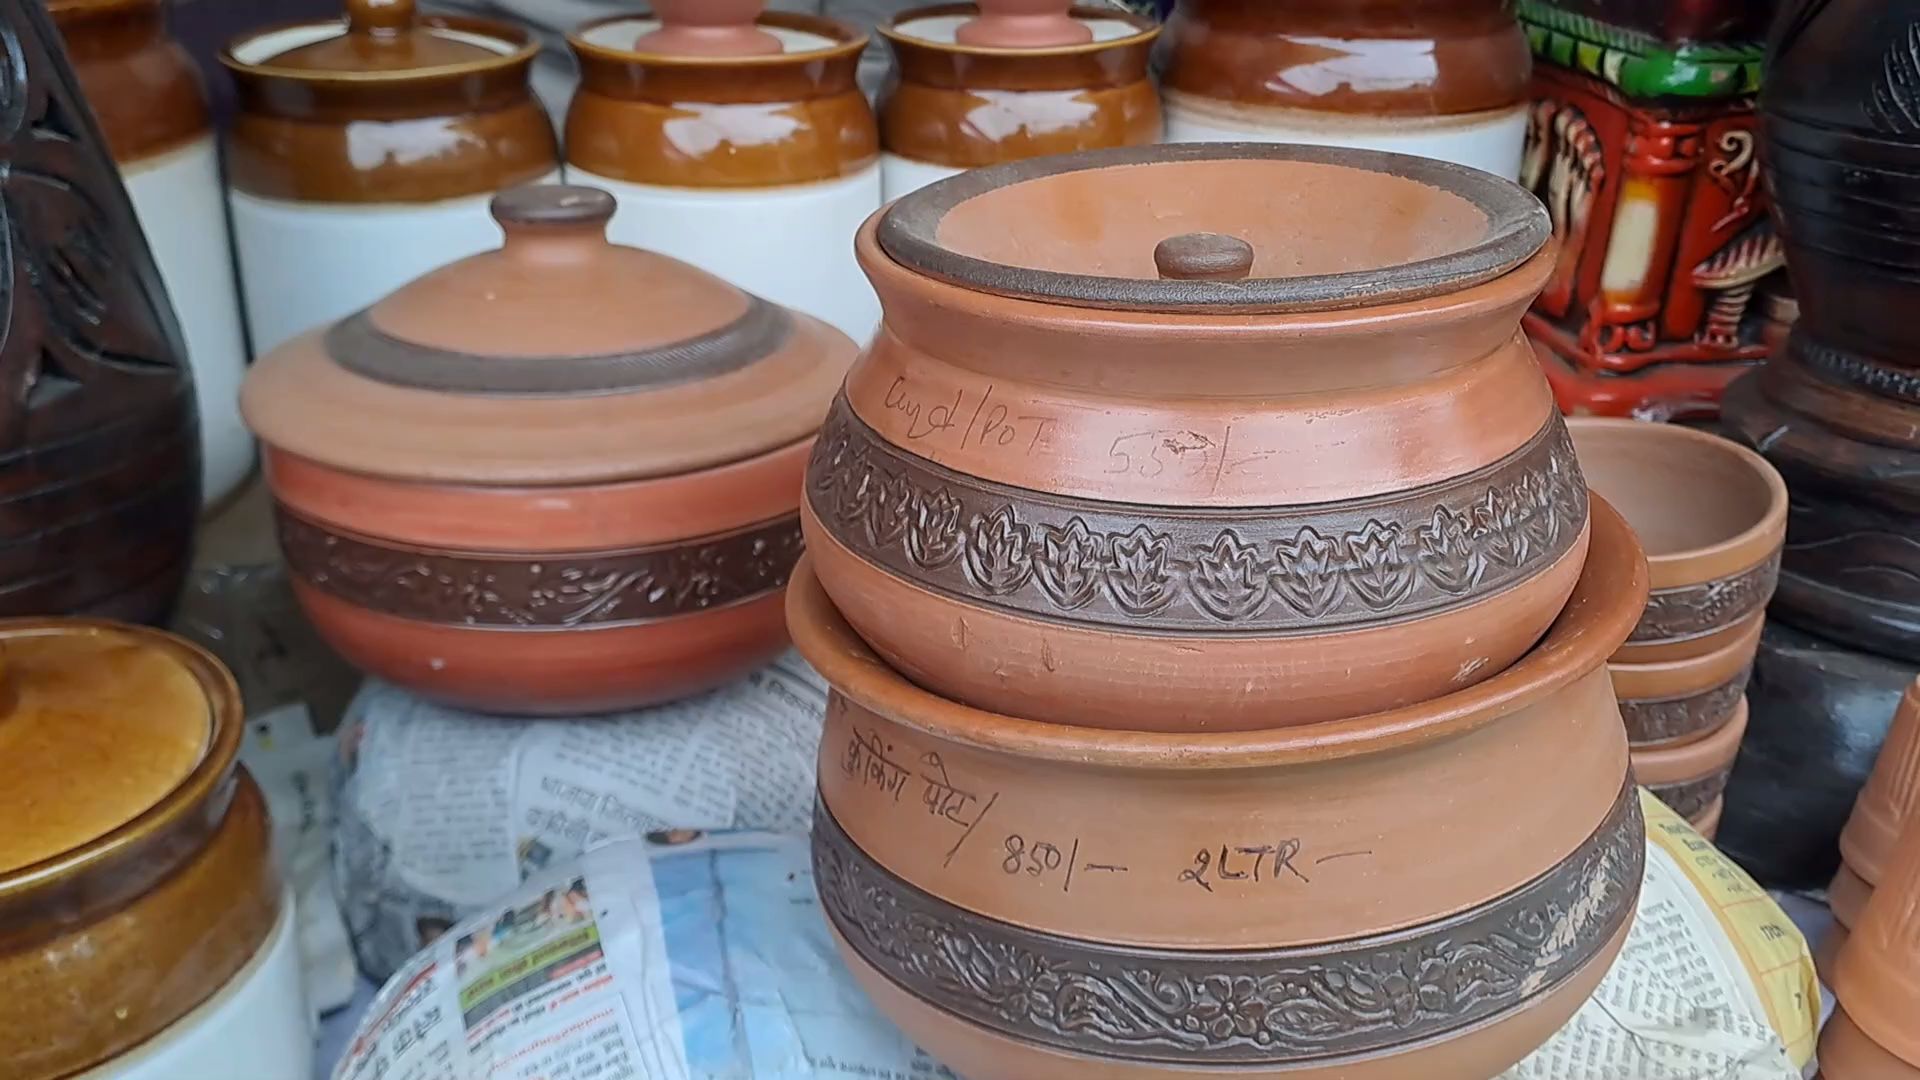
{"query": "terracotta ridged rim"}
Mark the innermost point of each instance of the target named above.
(1518, 228)
(851, 41)
(1594, 623)
(523, 49)
(1146, 30)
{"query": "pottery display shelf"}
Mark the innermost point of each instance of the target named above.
(753, 155)
(1443, 79)
(364, 152)
(1642, 143)
(148, 97)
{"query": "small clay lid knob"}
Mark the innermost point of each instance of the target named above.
(709, 28)
(1204, 257)
(380, 18)
(1024, 24)
(549, 220)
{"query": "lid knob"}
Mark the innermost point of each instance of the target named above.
(1203, 256)
(709, 28)
(1024, 24)
(553, 221)
(379, 18)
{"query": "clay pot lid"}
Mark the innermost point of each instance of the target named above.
(1222, 227)
(560, 357)
(657, 39)
(98, 725)
(709, 28)
(378, 40)
(942, 27)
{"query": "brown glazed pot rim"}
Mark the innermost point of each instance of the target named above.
(1146, 30)
(1517, 229)
(1662, 766)
(850, 41)
(522, 49)
(1605, 604)
(175, 825)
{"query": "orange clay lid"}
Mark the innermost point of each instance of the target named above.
(97, 726)
(560, 358)
(378, 39)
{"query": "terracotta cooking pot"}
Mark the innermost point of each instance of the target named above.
(1672, 702)
(1282, 893)
(1712, 515)
(1174, 438)
(1689, 777)
(559, 477)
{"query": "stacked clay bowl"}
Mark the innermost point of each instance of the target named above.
(1875, 1030)
(1888, 804)
(556, 478)
(1712, 516)
(1174, 438)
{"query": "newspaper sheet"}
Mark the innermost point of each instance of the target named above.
(691, 957)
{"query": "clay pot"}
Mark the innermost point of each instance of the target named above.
(1707, 822)
(1445, 79)
(100, 469)
(956, 105)
(1712, 515)
(143, 926)
(709, 28)
(1023, 24)
(1231, 872)
(755, 167)
(1691, 777)
(365, 151)
(148, 97)
(1890, 800)
(1876, 980)
(1673, 702)
(559, 477)
(1025, 507)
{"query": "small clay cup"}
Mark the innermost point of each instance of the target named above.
(1876, 979)
(1672, 702)
(1712, 515)
(709, 28)
(1691, 776)
(1888, 803)
(1023, 24)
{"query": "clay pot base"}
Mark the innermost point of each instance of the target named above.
(1847, 1053)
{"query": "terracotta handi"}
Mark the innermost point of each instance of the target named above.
(143, 926)
(558, 477)
(955, 105)
(1888, 804)
(365, 152)
(100, 467)
(1876, 981)
(1279, 878)
(1026, 507)
(1444, 79)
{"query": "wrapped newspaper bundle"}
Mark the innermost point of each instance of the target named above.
(442, 812)
(689, 957)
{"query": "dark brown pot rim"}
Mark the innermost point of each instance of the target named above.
(521, 49)
(1605, 604)
(1147, 29)
(1518, 228)
(850, 41)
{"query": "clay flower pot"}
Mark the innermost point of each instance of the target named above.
(1025, 506)
(755, 166)
(1672, 702)
(1712, 515)
(365, 151)
(1876, 980)
(1445, 79)
(956, 105)
(1273, 879)
(709, 28)
(143, 927)
(1023, 24)
(1887, 804)
(1691, 777)
(558, 477)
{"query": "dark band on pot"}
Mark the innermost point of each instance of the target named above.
(1274, 1008)
(1654, 722)
(1691, 611)
(1691, 798)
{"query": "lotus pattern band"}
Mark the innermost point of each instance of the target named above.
(1280, 1007)
(1692, 610)
(1294, 568)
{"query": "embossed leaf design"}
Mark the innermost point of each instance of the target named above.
(1305, 572)
(888, 510)
(997, 558)
(1496, 525)
(1229, 580)
(933, 536)
(853, 486)
(1069, 565)
(1446, 551)
(1378, 567)
(1139, 579)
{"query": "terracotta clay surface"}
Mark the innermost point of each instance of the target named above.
(1678, 701)
(1848, 1053)
(1877, 976)
(1707, 822)
(1887, 805)
(1690, 777)
(1023, 24)
(709, 28)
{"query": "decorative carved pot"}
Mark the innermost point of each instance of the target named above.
(1071, 483)
(1444, 79)
(143, 927)
(365, 151)
(952, 107)
(1273, 876)
(99, 449)
(1691, 777)
(558, 477)
(148, 97)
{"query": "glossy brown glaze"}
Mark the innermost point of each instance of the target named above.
(144, 88)
(720, 122)
(1876, 978)
(1887, 804)
(966, 106)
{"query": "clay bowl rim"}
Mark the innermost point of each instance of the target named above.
(1697, 760)
(175, 810)
(522, 50)
(1518, 229)
(1747, 641)
(1145, 30)
(1768, 533)
(849, 40)
(1604, 607)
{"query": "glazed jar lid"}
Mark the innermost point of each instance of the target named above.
(1225, 227)
(559, 358)
(379, 40)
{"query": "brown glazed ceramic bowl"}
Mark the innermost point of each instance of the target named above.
(1888, 803)
(1192, 438)
(1876, 980)
(135, 872)
(559, 477)
(1690, 776)
(1298, 900)
(1712, 515)
(1672, 702)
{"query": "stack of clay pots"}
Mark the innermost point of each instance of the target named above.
(1873, 1034)
(1889, 805)
(1711, 515)
(1217, 622)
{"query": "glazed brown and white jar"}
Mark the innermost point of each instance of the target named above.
(365, 151)
(144, 931)
(559, 477)
(746, 149)
(1445, 79)
(1211, 437)
(954, 104)
(152, 107)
